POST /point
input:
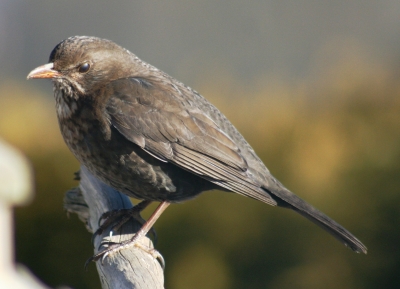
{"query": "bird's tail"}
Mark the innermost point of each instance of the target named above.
(287, 199)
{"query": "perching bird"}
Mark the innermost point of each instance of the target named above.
(153, 138)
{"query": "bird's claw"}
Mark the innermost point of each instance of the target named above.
(106, 244)
(121, 216)
(113, 247)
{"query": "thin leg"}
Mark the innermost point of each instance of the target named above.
(121, 216)
(151, 221)
(109, 217)
(142, 232)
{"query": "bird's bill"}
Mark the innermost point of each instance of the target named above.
(44, 71)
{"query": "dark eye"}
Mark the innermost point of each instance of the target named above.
(84, 67)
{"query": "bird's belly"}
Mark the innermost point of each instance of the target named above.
(124, 166)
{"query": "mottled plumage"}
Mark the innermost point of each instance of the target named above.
(151, 137)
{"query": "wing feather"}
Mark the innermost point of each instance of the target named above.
(178, 132)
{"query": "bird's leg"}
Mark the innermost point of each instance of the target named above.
(115, 247)
(122, 216)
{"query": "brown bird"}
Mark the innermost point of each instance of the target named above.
(151, 137)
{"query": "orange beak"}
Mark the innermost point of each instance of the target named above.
(44, 71)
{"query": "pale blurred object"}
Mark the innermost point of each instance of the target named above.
(15, 189)
(15, 176)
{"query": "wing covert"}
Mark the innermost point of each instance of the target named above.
(174, 131)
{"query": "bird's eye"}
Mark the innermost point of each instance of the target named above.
(83, 68)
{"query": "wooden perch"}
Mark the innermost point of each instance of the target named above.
(128, 268)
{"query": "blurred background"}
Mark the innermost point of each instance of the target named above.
(312, 85)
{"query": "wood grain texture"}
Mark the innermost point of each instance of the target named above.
(128, 268)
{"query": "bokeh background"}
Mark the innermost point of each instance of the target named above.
(313, 86)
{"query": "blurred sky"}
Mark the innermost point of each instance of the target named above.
(194, 39)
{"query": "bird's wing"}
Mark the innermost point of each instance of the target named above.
(171, 128)
(174, 130)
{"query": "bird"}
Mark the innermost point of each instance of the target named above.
(153, 138)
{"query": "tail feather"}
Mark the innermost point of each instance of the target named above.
(287, 199)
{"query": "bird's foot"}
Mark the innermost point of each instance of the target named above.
(112, 247)
(120, 217)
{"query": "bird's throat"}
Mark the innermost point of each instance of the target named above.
(66, 101)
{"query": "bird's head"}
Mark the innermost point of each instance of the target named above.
(80, 65)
